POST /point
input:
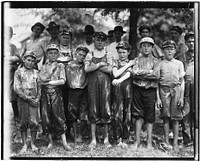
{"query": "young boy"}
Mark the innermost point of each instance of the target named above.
(99, 85)
(77, 91)
(52, 76)
(145, 84)
(122, 93)
(27, 86)
(171, 91)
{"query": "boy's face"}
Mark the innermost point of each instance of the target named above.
(123, 54)
(37, 30)
(29, 62)
(169, 52)
(145, 33)
(175, 35)
(65, 40)
(52, 55)
(190, 43)
(117, 35)
(99, 43)
(146, 48)
(54, 32)
(80, 56)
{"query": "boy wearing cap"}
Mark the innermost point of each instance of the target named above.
(122, 94)
(171, 91)
(145, 85)
(189, 111)
(145, 31)
(27, 86)
(97, 65)
(77, 91)
(111, 49)
(65, 47)
(181, 47)
(52, 76)
(36, 44)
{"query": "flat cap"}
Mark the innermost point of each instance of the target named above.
(52, 46)
(144, 27)
(82, 47)
(189, 34)
(168, 43)
(52, 25)
(29, 53)
(177, 28)
(101, 35)
(123, 45)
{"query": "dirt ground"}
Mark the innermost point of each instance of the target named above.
(82, 150)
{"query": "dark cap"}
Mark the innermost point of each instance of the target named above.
(29, 53)
(168, 43)
(65, 33)
(89, 29)
(119, 28)
(124, 45)
(177, 28)
(189, 34)
(101, 35)
(144, 27)
(82, 47)
(38, 24)
(52, 25)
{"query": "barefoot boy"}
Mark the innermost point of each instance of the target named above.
(27, 86)
(171, 91)
(77, 91)
(145, 84)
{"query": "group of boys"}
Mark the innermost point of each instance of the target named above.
(105, 87)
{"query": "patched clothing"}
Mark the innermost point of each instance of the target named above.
(26, 83)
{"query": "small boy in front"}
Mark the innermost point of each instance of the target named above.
(145, 82)
(77, 91)
(171, 92)
(122, 94)
(27, 86)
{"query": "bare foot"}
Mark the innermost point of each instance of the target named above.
(23, 150)
(34, 148)
(79, 140)
(67, 147)
(175, 148)
(92, 145)
(124, 145)
(135, 146)
(49, 146)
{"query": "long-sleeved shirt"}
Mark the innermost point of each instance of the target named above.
(52, 71)
(27, 83)
(149, 65)
(76, 76)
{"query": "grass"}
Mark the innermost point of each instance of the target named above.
(82, 150)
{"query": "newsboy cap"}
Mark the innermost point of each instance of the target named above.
(144, 27)
(82, 47)
(189, 34)
(168, 43)
(100, 35)
(123, 45)
(52, 25)
(177, 28)
(29, 53)
(52, 46)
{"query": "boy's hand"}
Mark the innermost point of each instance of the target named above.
(115, 82)
(159, 104)
(131, 63)
(180, 103)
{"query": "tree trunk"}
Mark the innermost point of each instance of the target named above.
(134, 16)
